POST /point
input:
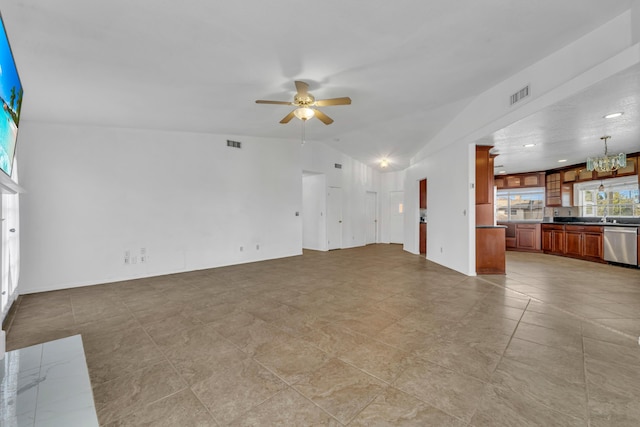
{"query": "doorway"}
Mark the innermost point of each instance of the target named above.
(334, 218)
(371, 218)
(396, 216)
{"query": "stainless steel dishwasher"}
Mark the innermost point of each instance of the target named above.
(620, 245)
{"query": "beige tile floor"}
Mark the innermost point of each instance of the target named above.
(359, 337)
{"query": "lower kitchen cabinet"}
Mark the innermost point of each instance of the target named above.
(528, 237)
(522, 237)
(592, 245)
(573, 243)
(576, 241)
(553, 239)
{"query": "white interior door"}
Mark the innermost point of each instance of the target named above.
(334, 218)
(372, 218)
(396, 216)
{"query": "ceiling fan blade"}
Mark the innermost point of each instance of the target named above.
(302, 88)
(333, 101)
(262, 101)
(322, 117)
(287, 118)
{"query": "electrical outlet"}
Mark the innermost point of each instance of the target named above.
(257, 247)
(241, 249)
(127, 257)
(143, 255)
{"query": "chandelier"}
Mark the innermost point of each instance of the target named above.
(606, 163)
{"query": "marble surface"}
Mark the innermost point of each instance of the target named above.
(47, 385)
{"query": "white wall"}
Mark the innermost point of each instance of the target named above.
(451, 235)
(354, 178)
(190, 200)
(314, 211)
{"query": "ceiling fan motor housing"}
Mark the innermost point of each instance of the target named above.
(305, 100)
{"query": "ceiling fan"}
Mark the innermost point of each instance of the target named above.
(305, 103)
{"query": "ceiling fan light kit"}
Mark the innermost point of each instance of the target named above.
(305, 103)
(304, 113)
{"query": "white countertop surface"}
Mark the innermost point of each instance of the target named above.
(47, 385)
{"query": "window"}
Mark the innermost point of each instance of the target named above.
(526, 204)
(620, 197)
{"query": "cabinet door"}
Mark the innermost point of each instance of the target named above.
(547, 240)
(557, 241)
(573, 243)
(526, 238)
(423, 194)
(566, 192)
(592, 245)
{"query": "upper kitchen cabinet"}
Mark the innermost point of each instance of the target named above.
(521, 180)
(484, 186)
(558, 193)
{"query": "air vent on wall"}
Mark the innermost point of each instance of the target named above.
(234, 144)
(522, 93)
(337, 165)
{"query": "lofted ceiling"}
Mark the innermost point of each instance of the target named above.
(409, 67)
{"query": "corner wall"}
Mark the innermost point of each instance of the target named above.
(590, 59)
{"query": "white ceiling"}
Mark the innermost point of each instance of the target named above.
(199, 65)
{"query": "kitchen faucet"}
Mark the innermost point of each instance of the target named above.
(604, 215)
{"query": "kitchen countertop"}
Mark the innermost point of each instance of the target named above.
(601, 224)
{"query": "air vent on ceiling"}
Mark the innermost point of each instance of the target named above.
(519, 95)
(337, 165)
(234, 144)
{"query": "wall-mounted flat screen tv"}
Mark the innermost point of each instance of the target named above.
(11, 98)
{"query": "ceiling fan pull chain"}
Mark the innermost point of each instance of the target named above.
(303, 131)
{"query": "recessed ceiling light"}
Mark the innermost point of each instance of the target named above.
(613, 115)
(562, 160)
(502, 172)
(529, 145)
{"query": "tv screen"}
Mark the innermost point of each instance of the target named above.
(11, 97)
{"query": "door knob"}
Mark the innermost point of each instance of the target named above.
(13, 230)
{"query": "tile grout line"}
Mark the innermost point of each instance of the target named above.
(291, 387)
(586, 382)
(188, 387)
(555, 307)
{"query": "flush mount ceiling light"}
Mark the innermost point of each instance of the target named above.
(384, 163)
(562, 160)
(613, 115)
(529, 145)
(606, 163)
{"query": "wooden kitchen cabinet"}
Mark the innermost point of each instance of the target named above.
(593, 246)
(484, 186)
(576, 241)
(528, 237)
(573, 243)
(521, 180)
(423, 238)
(553, 238)
(552, 190)
(522, 237)
(423, 194)
(557, 193)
